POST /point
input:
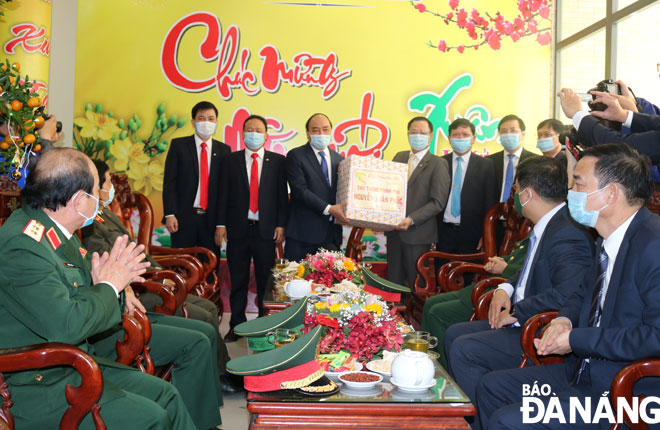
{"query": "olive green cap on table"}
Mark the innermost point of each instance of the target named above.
(388, 290)
(256, 330)
(290, 366)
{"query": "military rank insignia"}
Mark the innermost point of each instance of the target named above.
(53, 238)
(83, 252)
(34, 229)
(98, 218)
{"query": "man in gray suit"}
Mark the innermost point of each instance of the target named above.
(428, 188)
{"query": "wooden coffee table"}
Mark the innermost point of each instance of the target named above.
(386, 407)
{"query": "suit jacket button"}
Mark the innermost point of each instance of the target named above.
(75, 285)
(38, 377)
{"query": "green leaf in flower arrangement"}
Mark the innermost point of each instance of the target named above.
(162, 146)
(181, 123)
(88, 106)
(111, 115)
(172, 121)
(98, 108)
(160, 109)
(121, 123)
(123, 135)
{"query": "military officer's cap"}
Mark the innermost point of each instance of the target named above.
(292, 366)
(257, 329)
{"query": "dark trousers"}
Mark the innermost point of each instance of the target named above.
(500, 395)
(474, 349)
(239, 254)
(195, 231)
(455, 239)
(296, 250)
(198, 309)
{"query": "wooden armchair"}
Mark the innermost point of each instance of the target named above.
(449, 277)
(83, 398)
(482, 295)
(623, 382)
(354, 245)
(200, 268)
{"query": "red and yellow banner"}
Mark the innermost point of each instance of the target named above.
(370, 65)
(25, 39)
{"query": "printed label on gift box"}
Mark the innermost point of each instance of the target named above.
(373, 190)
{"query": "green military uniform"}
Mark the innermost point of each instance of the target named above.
(444, 310)
(47, 295)
(100, 237)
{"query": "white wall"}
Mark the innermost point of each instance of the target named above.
(63, 65)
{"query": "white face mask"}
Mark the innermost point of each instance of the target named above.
(205, 129)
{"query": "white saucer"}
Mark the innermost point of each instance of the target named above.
(415, 388)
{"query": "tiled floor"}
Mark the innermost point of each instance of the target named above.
(234, 413)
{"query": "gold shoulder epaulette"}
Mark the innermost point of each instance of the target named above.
(34, 229)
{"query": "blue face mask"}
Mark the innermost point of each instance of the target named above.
(111, 195)
(418, 141)
(90, 220)
(546, 145)
(510, 141)
(254, 140)
(460, 145)
(319, 141)
(577, 206)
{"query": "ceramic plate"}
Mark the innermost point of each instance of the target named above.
(360, 385)
(334, 376)
(371, 366)
(413, 389)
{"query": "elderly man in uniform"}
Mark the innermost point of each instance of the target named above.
(49, 293)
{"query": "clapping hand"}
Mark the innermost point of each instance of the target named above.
(123, 265)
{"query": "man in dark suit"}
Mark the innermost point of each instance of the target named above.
(311, 171)
(190, 184)
(252, 215)
(512, 133)
(472, 192)
(559, 252)
(548, 132)
(428, 188)
(615, 317)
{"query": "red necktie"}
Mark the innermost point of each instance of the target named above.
(203, 178)
(254, 184)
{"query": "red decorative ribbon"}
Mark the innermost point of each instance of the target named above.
(272, 381)
(387, 296)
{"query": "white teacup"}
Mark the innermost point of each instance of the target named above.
(298, 288)
(413, 369)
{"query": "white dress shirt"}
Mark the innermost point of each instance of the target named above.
(516, 159)
(326, 153)
(248, 164)
(417, 157)
(198, 147)
(539, 228)
(448, 217)
(612, 245)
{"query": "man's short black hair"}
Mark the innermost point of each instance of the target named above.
(461, 122)
(620, 164)
(102, 167)
(203, 106)
(312, 116)
(546, 176)
(555, 124)
(512, 117)
(260, 118)
(56, 177)
(420, 118)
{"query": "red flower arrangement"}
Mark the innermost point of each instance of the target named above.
(363, 337)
